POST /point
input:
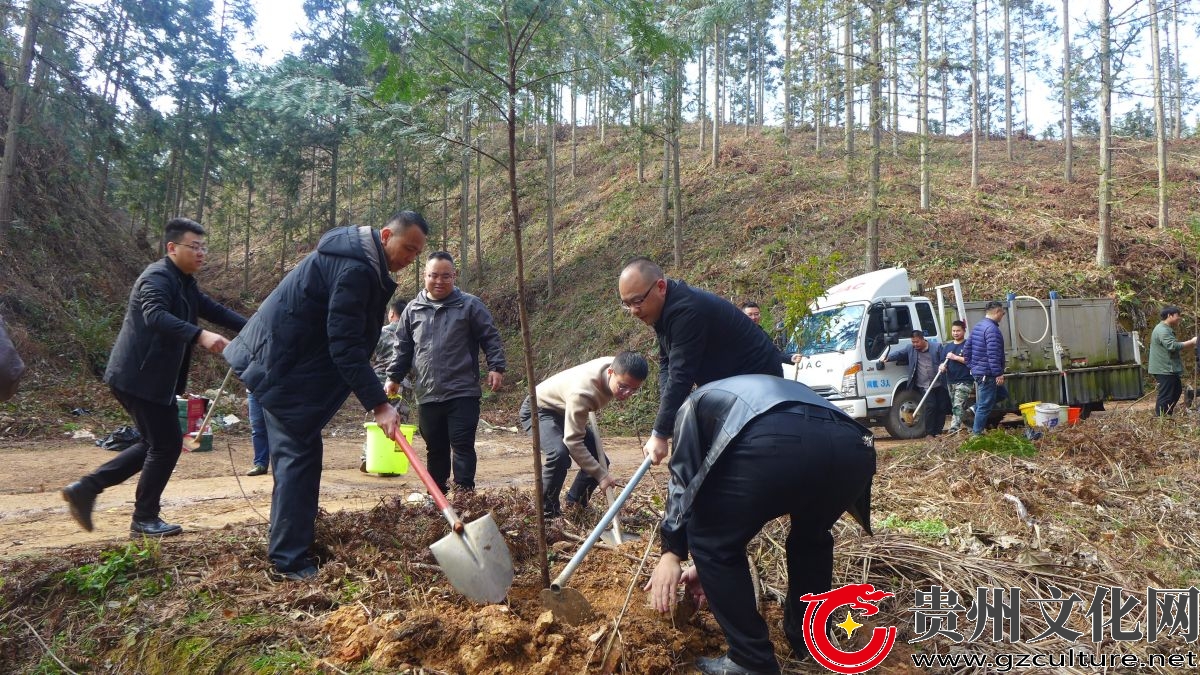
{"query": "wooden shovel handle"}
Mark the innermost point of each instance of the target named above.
(438, 498)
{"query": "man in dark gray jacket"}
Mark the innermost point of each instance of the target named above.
(441, 333)
(310, 345)
(749, 449)
(147, 368)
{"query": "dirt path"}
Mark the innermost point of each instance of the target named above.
(206, 492)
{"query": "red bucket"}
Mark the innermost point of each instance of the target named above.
(1073, 415)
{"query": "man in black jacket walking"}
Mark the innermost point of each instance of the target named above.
(310, 345)
(148, 367)
(701, 338)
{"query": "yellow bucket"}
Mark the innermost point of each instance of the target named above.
(383, 455)
(1029, 412)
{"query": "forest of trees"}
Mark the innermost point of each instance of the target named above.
(402, 104)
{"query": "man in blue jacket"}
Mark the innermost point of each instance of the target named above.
(147, 368)
(984, 355)
(701, 338)
(750, 449)
(439, 337)
(310, 345)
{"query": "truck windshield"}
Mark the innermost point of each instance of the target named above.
(830, 330)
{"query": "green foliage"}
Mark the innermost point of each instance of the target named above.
(806, 282)
(930, 528)
(93, 328)
(998, 442)
(283, 661)
(115, 568)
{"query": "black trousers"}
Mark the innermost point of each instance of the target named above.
(450, 426)
(935, 409)
(155, 455)
(1169, 388)
(556, 459)
(810, 467)
(296, 468)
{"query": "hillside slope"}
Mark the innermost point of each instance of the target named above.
(771, 205)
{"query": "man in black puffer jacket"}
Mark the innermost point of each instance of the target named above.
(307, 348)
(147, 368)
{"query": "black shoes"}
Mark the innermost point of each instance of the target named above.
(258, 470)
(297, 575)
(153, 528)
(723, 665)
(81, 501)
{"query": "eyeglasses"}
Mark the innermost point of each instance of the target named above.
(637, 302)
(623, 388)
(195, 246)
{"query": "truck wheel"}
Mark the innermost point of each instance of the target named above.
(903, 404)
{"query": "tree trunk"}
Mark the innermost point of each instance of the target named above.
(551, 197)
(718, 73)
(478, 217)
(1008, 137)
(1068, 140)
(574, 122)
(333, 182)
(1160, 119)
(1104, 239)
(787, 68)
(16, 118)
(848, 67)
(676, 126)
(975, 116)
(923, 105)
(872, 261)
(701, 97)
(894, 84)
(464, 198)
(246, 239)
(1176, 78)
(987, 74)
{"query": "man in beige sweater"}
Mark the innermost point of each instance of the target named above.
(564, 401)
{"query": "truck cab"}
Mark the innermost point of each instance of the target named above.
(849, 329)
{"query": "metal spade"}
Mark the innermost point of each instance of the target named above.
(910, 418)
(474, 556)
(568, 603)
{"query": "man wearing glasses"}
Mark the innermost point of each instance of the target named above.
(984, 355)
(701, 338)
(147, 368)
(564, 401)
(441, 332)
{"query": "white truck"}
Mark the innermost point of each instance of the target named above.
(1066, 351)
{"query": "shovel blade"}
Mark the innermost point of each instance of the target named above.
(477, 562)
(567, 604)
(610, 537)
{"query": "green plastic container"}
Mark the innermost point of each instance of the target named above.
(383, 455)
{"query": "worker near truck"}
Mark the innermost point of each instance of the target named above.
(984, 355)
(924, 358)
(564, 401)
(961, 384)
(701, 338)
(749, 449)
(1165, 363)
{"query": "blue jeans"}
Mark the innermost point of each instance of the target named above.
(258, 432)
(985, 400)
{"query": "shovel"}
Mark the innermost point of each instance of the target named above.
(613, 535)
(474, 556)
(568, 603)
(192, 441)
(910, 418)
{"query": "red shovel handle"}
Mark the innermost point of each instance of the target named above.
(430, 484)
